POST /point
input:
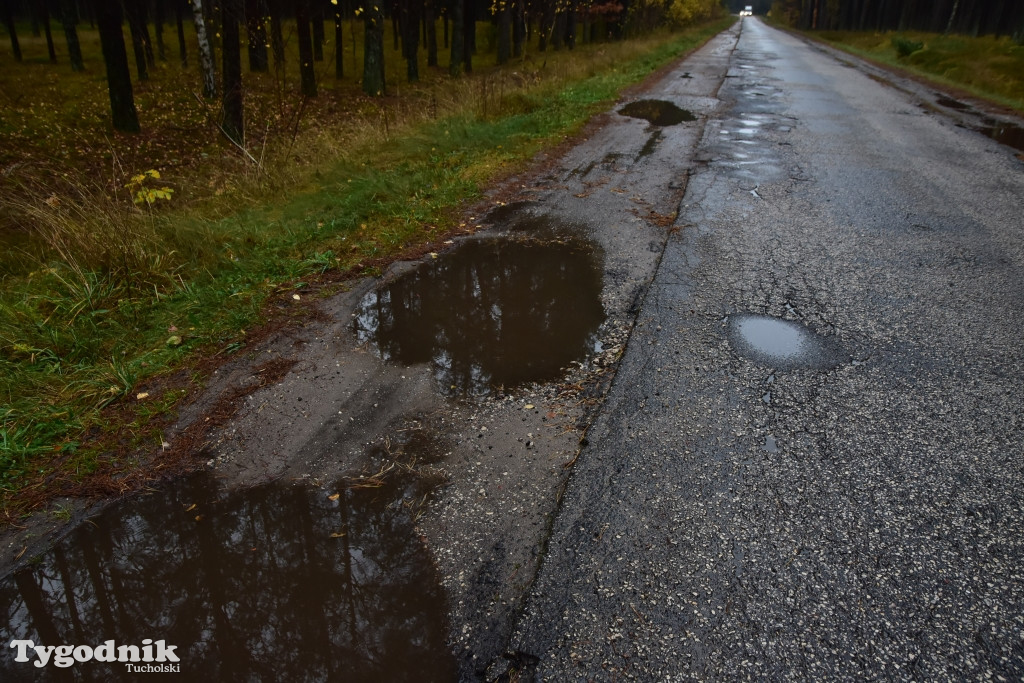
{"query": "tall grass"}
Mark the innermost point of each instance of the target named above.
(99, 294)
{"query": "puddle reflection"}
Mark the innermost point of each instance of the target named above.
(1005, 133)
(781, 343)
(276, 583)
(657, 112)
(494, 313)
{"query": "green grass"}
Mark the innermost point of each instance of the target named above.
(987, 67)
(99, 297)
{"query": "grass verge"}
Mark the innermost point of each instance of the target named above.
(108, 300)
(987, 67)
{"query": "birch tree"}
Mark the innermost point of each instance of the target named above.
(205, 53)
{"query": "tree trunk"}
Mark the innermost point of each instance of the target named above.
(468, 34)
(67, 20)
(570, 26)
(205, 53)
(504, 31)
(547, 26)
(256, 34)
(430, 21)
(518, 28)
(317, 17)
(119, 79)
(455, 61)
(308, 76)
(9, 23)
(373, 54)
(339, 52)
(158, 29)
(180, 24)
(147, 43)
(231, 59)
(44, 19)
(276, 37)
(952, 16)
(410, 21)
(132, 9)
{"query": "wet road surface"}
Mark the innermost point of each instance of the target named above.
(808, 274)
(740, 513)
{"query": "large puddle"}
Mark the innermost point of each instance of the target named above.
(780, 343)
(281, 582)
(494, 313)
(657, 112)
(1003, 132)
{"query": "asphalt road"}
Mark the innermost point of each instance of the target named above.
(809, 461)
(850, 513)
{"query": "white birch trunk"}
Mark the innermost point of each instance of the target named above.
(205, 53)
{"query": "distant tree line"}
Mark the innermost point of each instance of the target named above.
(969, 17)
(226, 26)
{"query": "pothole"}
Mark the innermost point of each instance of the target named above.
(951, 103)
(259, 584)
(657, 112)
(494, 313)
(1005, 133)
(780, 343)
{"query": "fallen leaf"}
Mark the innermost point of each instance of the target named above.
(337, 534)
(296, 297)
(334, 497)
(174, 340)
(528, 406)
(141, 395)
(191, 507)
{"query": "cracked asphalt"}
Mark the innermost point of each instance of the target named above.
(735, 518)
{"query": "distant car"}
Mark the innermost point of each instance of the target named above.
(747, 11)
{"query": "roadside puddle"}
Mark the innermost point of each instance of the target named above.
(657, 112)
(1005, 133)
(780, 343)
(494, 313)
(260, 584)
(951, 103)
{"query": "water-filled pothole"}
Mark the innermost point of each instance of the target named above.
(495, 312)
(262, 584)
(951, 103)
(780, 343)
(1005, 133)
(657, 112)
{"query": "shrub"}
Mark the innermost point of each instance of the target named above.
(904, 47)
